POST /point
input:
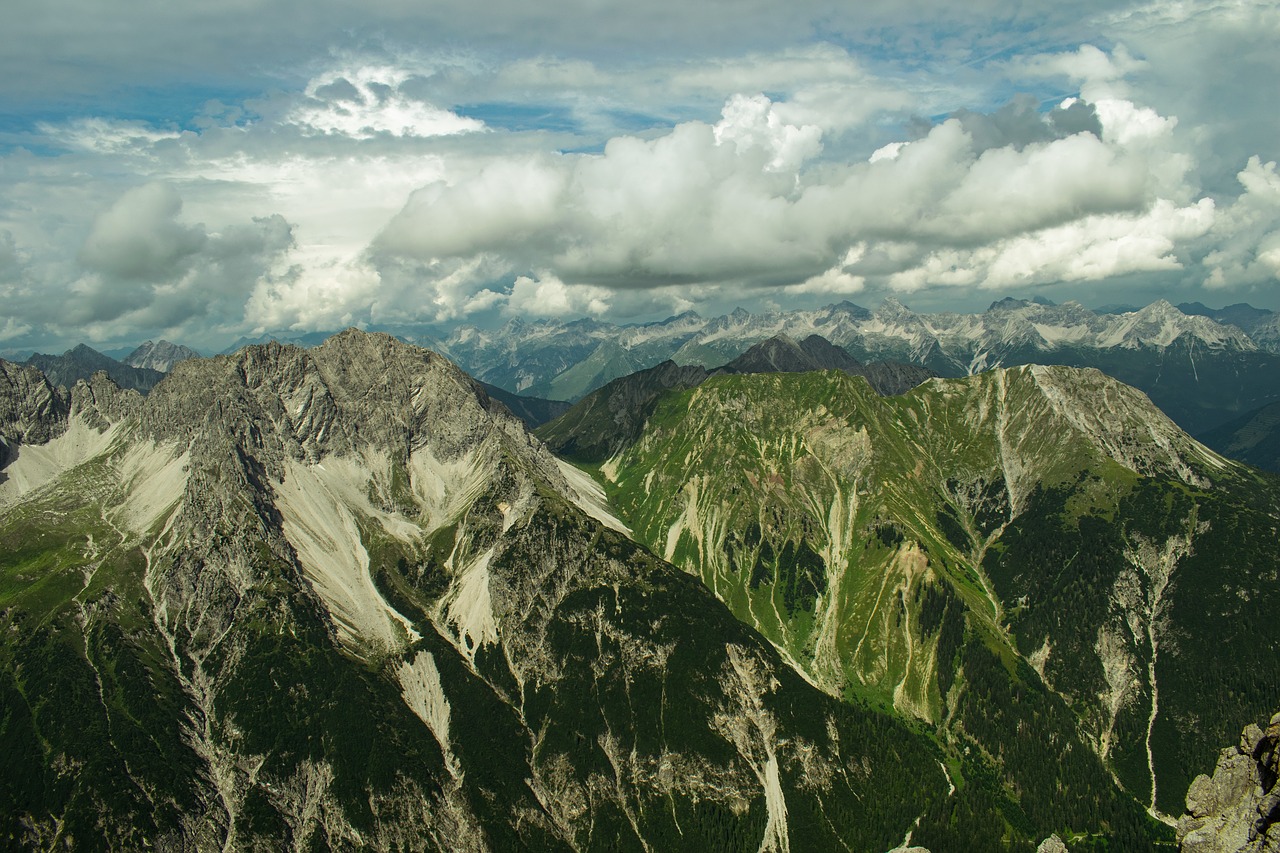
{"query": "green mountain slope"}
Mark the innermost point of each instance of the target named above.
(612, 417)
(332, 599)
(1022, 558)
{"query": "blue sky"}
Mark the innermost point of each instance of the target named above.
(202, 172)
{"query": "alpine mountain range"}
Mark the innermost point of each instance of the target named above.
(818, 580)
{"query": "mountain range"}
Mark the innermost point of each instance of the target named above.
(1204, 367)
(1200, 371)
(1049, 517)
(609, 418)
(338, 598)
(341, 597)
(82, 362)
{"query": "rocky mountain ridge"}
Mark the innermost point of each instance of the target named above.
(32, 411)
(1050, 514)
(339, 598)
(82, 361)
(604, 421)
(1199, 371)
(159, 355)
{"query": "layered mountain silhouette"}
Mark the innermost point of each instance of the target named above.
(82, 361)
(341, 597)
(606, 420)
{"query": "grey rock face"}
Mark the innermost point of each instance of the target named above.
(83, 361)
(1052, 844)
(1237, 810)
(159, 355)
(32, 410)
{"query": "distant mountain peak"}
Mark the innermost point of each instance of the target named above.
(892, 308)
(1006, 304)
(1162, 308)
(83, 361)
(783, 354)
(159, 355)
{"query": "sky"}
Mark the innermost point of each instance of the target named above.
(204, 171)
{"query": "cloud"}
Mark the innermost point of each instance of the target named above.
(1097, 73)
(1019, 123)
(140, 238)
(548, 296)
(1094, 248)
(105, 135)
(9, 263)
(399, 162)
(754, 123)
(504, 204)
(364, 101)
(1246, 245)
(1005, 197)
(145, 268)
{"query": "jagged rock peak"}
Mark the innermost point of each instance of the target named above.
(1237, 810)
(159, 355)
(357, 389)
(891, 306)
(32, 410)
(1008, 303)
(101, 402)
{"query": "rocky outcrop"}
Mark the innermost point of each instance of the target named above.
(32, 410)
(1237, 810)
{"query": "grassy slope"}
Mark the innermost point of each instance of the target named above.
(841, 526)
